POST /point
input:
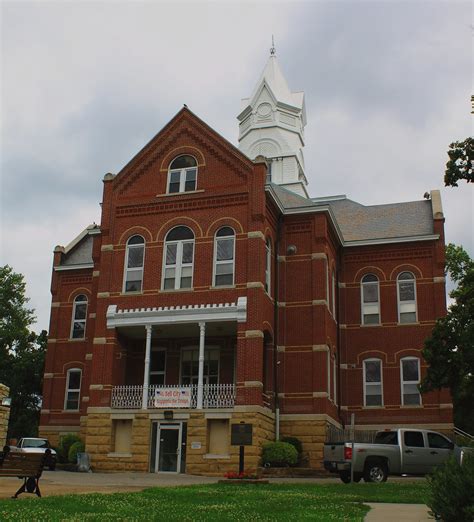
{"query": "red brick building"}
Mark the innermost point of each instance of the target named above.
(215, 291)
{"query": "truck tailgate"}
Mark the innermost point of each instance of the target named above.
(334, 451)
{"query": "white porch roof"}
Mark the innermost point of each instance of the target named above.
(178, 314)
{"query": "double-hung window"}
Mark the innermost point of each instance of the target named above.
(406, 290)
(268, 266)
(224, 257)
(79, 317)
(73, 389)
(334, 294)
(157, 366)
(182, 175)
(178, 259)
(373, 386)
(190, 366)
(410, 379)
(134, 262)
(370, 299)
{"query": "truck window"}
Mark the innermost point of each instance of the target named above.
(435, 440)
(414, 439)
(386, 437)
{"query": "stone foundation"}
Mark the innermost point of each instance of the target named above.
(101, 446)
(4, 415)
(311, 431)
(54, 433)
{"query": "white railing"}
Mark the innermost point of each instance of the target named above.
(214, 396)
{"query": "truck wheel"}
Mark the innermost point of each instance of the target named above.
(345, 476)
(375, 471)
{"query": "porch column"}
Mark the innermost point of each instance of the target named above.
(146, 371)
(200, 393)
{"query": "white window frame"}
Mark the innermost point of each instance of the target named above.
(159, 372)
(73, 390)
(73, 317)
(333, 276)
(329, 373)
(368, 306)
(379, 383)
(408, 303)
(178, 266)
(225, 261)
(126, 270)
(268, 266)
(402, 382)
(207, 349)
(334, 378)
(182, 176)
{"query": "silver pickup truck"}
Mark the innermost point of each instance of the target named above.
(394, 452)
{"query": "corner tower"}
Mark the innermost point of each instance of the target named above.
(271, 124)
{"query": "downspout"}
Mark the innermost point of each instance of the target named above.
(338, 345)
(275, 329)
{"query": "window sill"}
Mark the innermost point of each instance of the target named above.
(411, 406)
(416, 323)
(131, 293)
(174, 290)
(71, 411)
(221, 287)
(373, 407)
(211, 456)
(83, 339)
(166, 195)
(378, 325)
(118, 455)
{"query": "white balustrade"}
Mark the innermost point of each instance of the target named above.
(214, 396)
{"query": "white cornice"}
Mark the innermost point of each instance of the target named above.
(62, 268)
(178, 314)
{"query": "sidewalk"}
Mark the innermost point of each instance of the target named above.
(397, 513)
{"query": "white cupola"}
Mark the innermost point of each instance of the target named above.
(271, 124)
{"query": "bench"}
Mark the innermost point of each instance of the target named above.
(26, 466)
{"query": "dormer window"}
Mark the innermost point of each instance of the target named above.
(182, 175)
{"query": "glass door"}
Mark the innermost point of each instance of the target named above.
(169, 448)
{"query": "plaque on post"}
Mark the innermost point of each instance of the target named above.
(241, 435)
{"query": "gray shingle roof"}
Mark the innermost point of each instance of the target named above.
(361, 223)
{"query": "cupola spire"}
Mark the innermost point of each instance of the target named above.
(271, 124)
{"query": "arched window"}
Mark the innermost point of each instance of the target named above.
(224, 257)
(182, 175)
(134, 259)
(73, 389)
(268, 266)
(370, 299)
(406, 291)
(410, 379)
(178, 259)
(373, 385)
(79, 317)
(334, 294)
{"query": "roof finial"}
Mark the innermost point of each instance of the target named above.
(272, 49)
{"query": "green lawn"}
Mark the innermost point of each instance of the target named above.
(219, 502)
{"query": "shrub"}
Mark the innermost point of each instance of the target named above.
(451, 490)
(77, 447)
(64, 444)
(279, 454)
(298, 445)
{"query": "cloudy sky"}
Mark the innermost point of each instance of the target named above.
(86, 84)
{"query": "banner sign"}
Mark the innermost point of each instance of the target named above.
(172, 398)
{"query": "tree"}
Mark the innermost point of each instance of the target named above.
(461, 162)
(22, 354)
(450, 349)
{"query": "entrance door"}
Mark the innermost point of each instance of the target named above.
(169, 448)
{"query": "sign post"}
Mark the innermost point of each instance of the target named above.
(241, 435)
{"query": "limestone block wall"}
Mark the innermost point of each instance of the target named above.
(4, 415)
(54, 433)
(99, 430)
(198, 462)
(310, 431)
